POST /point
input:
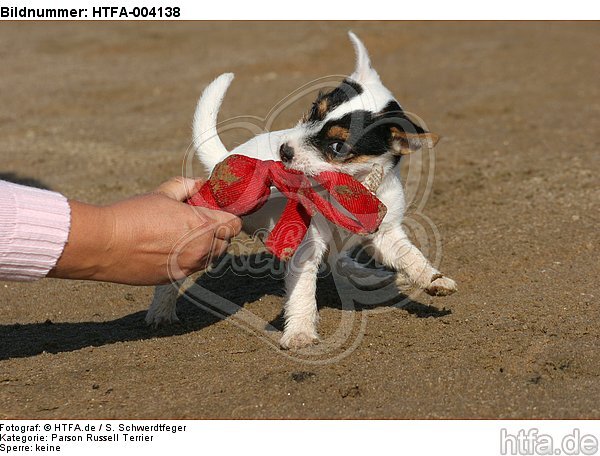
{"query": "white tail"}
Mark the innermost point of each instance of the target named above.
(209, 148)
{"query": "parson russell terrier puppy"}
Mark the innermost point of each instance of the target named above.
(356, 128)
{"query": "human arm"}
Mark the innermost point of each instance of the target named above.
(133, 241)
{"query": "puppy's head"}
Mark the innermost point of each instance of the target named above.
(357, 124)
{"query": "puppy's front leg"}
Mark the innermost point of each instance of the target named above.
(391, 247)
(300, 309)
(163, 307)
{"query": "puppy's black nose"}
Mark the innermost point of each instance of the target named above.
(286, 152)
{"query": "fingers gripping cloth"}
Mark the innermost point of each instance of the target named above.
(241, 185)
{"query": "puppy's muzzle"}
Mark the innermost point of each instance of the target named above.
(286, 153)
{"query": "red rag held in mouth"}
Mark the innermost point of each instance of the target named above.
(241, 185)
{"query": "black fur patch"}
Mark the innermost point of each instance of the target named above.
(364, 138)
(327, 102)
(369, 134)
(393, 111)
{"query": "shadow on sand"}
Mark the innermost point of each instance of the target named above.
(30, 339)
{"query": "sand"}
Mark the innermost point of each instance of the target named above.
(101, 111)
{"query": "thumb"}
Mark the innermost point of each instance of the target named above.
(226, 225)
(179, 188)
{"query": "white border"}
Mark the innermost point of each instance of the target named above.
(302, 438)
(347, 9)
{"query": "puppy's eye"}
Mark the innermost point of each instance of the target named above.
(339, 148)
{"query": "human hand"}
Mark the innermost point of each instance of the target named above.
(145, 240)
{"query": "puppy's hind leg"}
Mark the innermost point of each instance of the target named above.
(392, 248)
(163, 309)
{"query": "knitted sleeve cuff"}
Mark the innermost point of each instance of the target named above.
(34, 228)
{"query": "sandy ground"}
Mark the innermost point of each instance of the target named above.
(100, 111)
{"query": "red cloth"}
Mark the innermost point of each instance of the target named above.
(241, 185)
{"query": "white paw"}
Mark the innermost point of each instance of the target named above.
(295, 340)
(441, 286)
(161, 316)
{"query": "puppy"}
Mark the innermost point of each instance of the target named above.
(352, 129)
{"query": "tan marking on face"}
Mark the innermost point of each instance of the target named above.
(337, 132)
(359, 159)
(349, 159)
(323, 107)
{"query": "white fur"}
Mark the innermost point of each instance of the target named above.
(389, 244)
(205, 134)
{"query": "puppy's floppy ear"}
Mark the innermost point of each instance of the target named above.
(404, 142)
(405, 134)
(363, 72)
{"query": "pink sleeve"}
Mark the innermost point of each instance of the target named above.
(34, 228)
